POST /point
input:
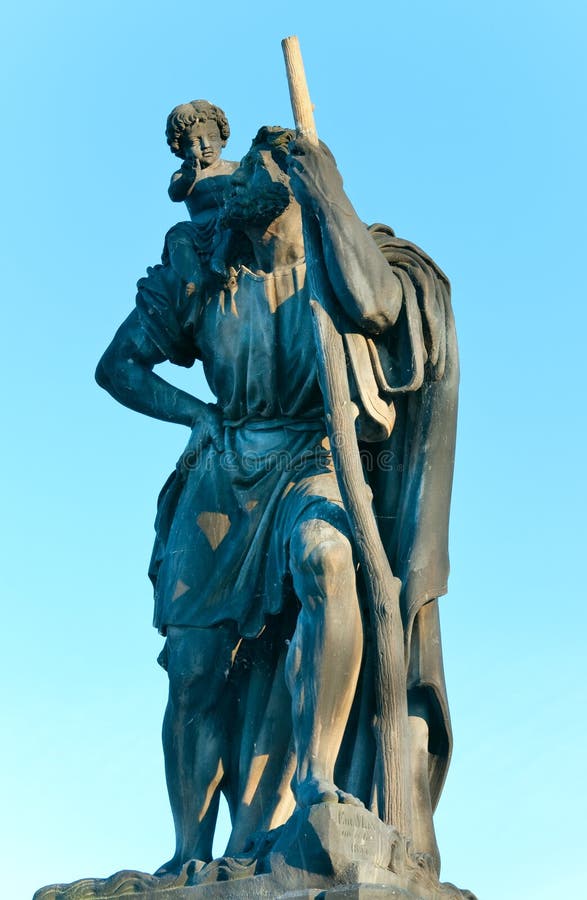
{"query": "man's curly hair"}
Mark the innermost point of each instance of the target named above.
(275, 139)
(183, 117)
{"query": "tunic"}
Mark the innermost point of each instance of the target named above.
(224, 520)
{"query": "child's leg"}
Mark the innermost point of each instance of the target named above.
(183, 255)
(186, 262)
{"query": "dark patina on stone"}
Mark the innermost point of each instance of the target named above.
(302, 538)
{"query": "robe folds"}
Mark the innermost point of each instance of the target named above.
(224, 520)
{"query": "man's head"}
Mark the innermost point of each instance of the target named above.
(260, 186)
(197, 130)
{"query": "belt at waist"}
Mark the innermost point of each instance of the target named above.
(257, 423)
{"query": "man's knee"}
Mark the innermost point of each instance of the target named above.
(198, 665)
(321, 551)
(187, 688)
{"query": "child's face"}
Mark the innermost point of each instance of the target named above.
(202, 141)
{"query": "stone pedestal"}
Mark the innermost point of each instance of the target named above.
(330, 851)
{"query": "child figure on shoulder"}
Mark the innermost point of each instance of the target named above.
(197, 132)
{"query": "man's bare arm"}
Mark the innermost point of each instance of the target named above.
(126, 372)
(362, 280)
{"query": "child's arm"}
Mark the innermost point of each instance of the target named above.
(183, 181)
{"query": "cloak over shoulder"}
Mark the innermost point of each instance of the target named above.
(406, 382)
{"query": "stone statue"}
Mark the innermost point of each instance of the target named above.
(275, 639)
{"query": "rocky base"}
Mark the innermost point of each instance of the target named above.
(329, 852)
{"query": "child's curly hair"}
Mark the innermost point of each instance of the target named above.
(183, 116)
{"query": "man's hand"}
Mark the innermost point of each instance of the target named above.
(363, 283)
(315, 179)
(207, 428)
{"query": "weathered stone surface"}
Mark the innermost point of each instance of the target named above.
(289, 690)
(329, 850)
(338, 845)
(333, 843)
(264, 887)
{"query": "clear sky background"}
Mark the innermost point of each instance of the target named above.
(460, 124)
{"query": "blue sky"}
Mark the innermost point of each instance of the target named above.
(462, 126)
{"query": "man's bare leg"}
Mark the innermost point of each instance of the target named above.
(324, 657)
(424, 837)
(195, 735)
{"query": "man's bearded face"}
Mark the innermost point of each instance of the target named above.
(260, 192)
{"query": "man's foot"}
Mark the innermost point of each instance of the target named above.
(317, 790)
(176, 866)
(171, 867)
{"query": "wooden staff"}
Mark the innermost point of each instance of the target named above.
(301, 105)
(393, 749)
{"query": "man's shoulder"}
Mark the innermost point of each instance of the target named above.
(167, 315)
